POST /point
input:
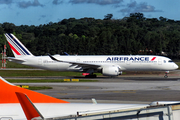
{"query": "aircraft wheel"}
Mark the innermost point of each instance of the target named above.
(91, 76)
(165, 76)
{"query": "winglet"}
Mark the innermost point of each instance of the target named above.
(94, 101)
(28, 107)
(53, 58)
(66, 53)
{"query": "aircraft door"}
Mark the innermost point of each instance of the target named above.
(39, 61)
(77, 60)
(159, 61)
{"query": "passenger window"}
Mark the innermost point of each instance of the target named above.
(164, 61)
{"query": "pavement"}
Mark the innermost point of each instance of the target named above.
(136, 88)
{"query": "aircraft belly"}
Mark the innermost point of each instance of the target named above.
(56, 66)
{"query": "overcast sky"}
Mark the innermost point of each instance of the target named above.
(36, 12)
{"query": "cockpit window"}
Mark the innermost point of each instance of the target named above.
(170, 61)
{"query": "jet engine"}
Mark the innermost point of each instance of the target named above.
(111, 71)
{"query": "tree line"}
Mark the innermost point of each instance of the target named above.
(133, 35)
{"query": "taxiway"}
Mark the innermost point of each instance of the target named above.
(123, 89)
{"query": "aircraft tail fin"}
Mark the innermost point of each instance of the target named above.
(8, 94)
(18, 49)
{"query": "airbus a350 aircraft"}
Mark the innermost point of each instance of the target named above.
(22, 104)
(108, 65)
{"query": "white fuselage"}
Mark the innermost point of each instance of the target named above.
(52, 110)
(126, 63)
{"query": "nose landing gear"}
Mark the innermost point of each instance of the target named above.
(166, 74)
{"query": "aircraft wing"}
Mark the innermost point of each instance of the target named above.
(79, 64)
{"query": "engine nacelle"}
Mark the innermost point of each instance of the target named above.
(111, 71)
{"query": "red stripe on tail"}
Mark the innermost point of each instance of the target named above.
(14, 49)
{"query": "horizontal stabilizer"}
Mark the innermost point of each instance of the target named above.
(16, 59)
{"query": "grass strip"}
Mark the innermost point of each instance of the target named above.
(43, 81)
(29, 73)
(39, 87)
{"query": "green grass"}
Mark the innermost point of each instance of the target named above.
(42, 80)
(30, 73)
(39, 87)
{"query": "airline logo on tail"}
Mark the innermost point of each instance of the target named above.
(16, 46)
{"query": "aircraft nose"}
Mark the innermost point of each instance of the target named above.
(176, 66)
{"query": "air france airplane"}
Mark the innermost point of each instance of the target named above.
(108, 65)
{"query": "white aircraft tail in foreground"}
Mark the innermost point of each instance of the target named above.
(17, 103)
(108, 65)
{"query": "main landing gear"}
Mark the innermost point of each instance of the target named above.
(166, 74)
(91, 76)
